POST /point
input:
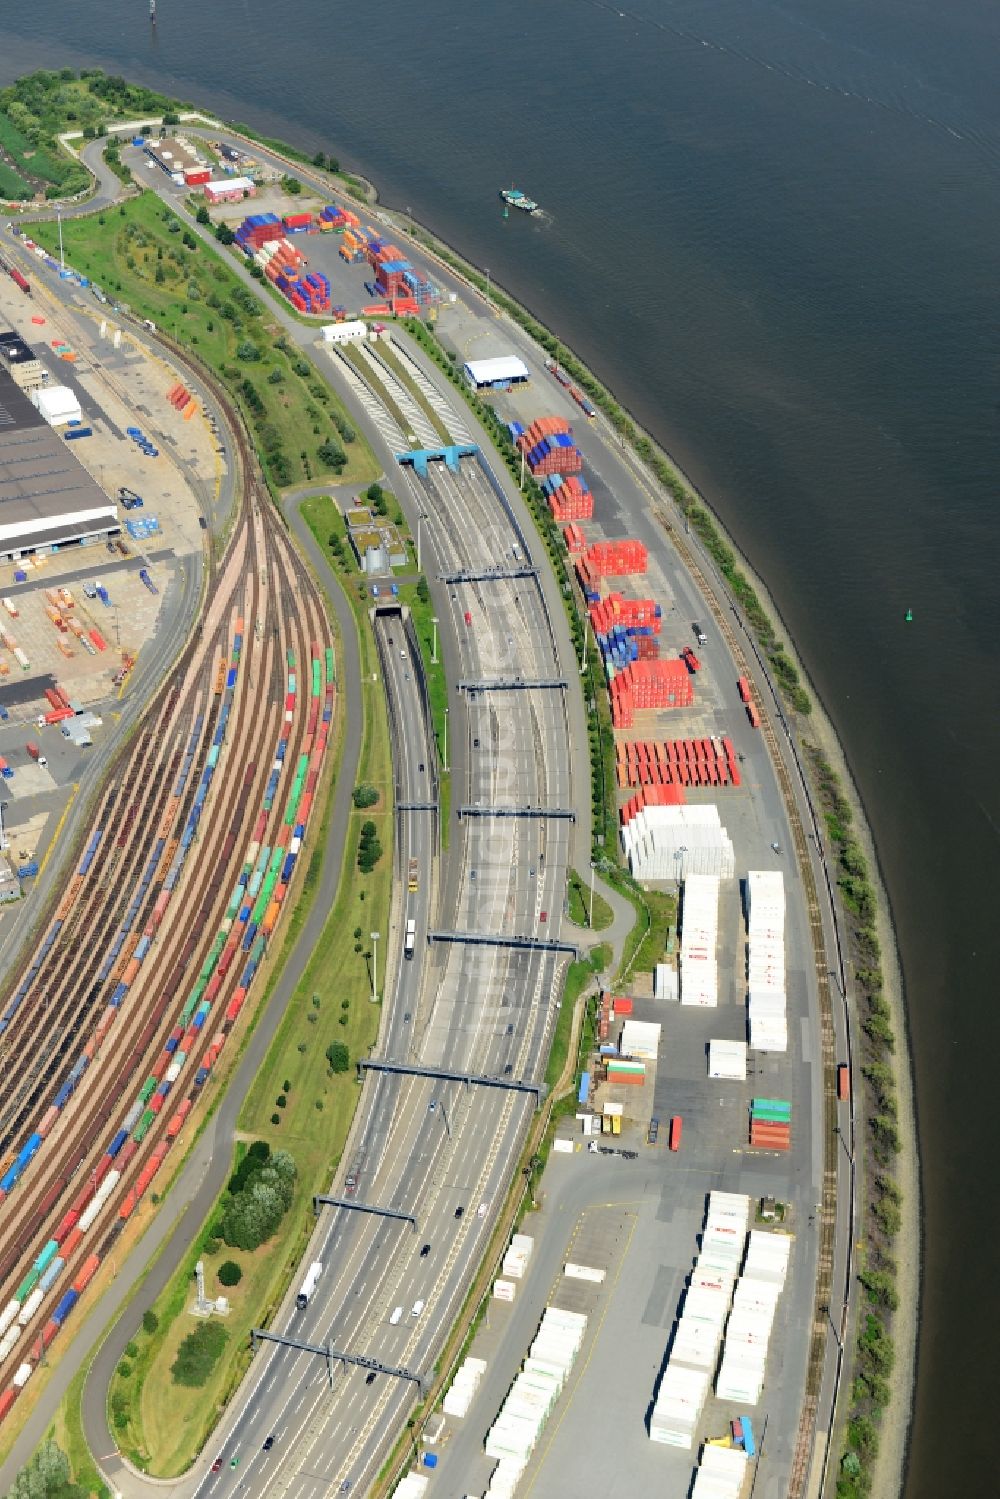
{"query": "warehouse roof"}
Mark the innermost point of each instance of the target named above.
(492, 371)
(172, 155)
(44, 489)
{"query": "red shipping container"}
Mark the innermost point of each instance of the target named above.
(86, 1273)
(843, 1082)
(744, 689)
(676, 1130)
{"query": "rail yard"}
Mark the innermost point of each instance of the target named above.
(120, 1014)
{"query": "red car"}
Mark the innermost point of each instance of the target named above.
(468, 617)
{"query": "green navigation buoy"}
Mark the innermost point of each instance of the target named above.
(909, 616)
(506, 212)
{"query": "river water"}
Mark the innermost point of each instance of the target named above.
(771, 227)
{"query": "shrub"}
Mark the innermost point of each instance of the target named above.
(364, 795)
(150, 1321)
(338, 1056)
(230, 1273)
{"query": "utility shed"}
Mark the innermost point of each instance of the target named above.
(496, 374)
(57, 404)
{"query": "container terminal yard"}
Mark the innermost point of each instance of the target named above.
(466, 1025)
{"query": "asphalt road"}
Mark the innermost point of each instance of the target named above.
(443, 1030)
(427, 1147)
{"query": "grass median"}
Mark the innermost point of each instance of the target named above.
(143, 255)
(581, 902)
(297, 1103)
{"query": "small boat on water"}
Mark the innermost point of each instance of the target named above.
(516, 199)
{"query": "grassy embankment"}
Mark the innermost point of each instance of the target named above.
(142, 254)
(876, 1116)
(163, 1425)
(40, 106)
(579, 904)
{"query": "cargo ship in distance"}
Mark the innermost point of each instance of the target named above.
(516, 199)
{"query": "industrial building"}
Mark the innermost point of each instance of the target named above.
(496, 374)
(21, 363)
(230, 190)
(47, 499)
(179, 160)
(376, 542)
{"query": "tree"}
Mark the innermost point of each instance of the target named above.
(198, 1354)
(224, 234)
(331, 453)
(423, 592)
(247, 351)
(319, 159)
(291, 185)
(150, 1321)
(230, 1273)
(364, 795)
(338, 1056)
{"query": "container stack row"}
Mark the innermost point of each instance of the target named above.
(396, 278)
(677, 762)
(748, 1332)
(463, 1387)
(694, 1350)
(569, 498)
(657, 838)
(610, 559)
(766, 960)
(771, 1124)
(633, 614)
(257, 230)
(699, 941)
(532, 1397)
(642, 685)
(515, 1261)
(721, 1474)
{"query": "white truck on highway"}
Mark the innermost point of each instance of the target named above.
(410, 939)
(309, 1284)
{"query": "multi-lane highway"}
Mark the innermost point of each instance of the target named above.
(439, 1150)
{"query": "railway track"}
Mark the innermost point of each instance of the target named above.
(826, 1218)
(225, 763)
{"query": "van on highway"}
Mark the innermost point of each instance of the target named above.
(397, 1314)
(416, 1308)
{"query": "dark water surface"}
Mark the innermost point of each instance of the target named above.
(773, 231)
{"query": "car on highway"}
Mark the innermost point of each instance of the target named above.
(397, 1313)
(268, 1444)
(544, 916)
(217, 1465)
(468, 617)
(416, 1309)
(421, 765)
(425, 1251)
(653, 1131)
(459, 1212)
(351, 1185)
(699, 633)
(370, 1378)
(475, 744)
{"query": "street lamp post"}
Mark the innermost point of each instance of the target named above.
(434, 641)
(591, 922)
(420, 519)
(445, 765)
(62, 262)
(374, 937)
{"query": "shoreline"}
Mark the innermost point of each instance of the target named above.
(894, 1427)
(896, 1420)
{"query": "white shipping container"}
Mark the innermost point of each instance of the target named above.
(8, 1314)
(583, 1272)
(503, 1290)
(22, 1376)
(8, 1340)
(30, 1306)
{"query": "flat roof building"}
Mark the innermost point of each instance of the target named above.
(21, 362)
(496, 374)
(47, 498)
(175, 156)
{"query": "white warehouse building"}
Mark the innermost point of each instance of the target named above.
(47, 498)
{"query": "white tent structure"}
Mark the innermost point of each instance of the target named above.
(57, 404)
